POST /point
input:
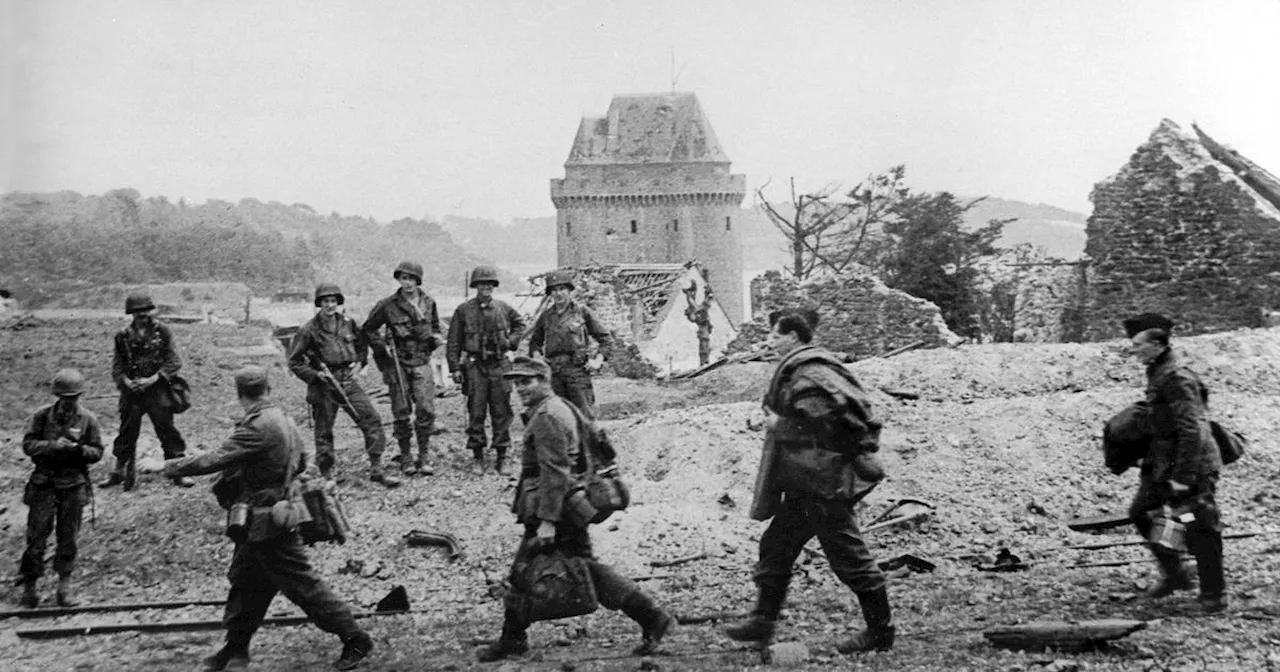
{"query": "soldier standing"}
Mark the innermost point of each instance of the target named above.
(62, 440)
(818, 461)
(483, 330)
(561, 334)
(414, 325)
(1180, 469)
(328, 353)
(255, 465)
(551, 445)
(145, 360)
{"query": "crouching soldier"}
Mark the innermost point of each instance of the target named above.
(257, 466)
(145, 360)
(404, 357)
(62, 439)
(817, 462)
(551, 446)
(328, 353)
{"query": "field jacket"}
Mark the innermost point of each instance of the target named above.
(336, 341)
(551, 445)
(565, 332)
(62, 467)
(1182, 445)
(484, 332)
(140, 354)
(414, 329)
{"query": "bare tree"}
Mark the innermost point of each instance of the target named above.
(807, 226)
(871, 204)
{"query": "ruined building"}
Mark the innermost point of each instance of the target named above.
(650, 184)
(1188, 228)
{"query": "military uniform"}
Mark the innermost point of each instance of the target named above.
(252, 466)
(142, 351)
(338, 343)
(547, 476)
(480, 335)
(818, 464)
(560, 334)
(413, 325)
(62, 440)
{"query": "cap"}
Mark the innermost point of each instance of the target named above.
(251, 376)
(1136, 325)
(528, 367)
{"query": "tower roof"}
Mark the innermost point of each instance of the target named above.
(648, 128)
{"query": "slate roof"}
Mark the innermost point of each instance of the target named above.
(648, 128)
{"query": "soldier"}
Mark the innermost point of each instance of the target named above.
(551, 445)
(483, 330)
(414, 325)
(1180, 469)
(328, 353)
(561, 334)
(818, 461)
(62, 440)
(255, 464)
(145, 360)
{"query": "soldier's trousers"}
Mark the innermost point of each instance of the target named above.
(572, 382)
(799, 518)
(149, 403)
(50, 507)
(418, 391)
(1203, 535)
(488, 393)
(325, 411)
(613, 590)
(261, 569)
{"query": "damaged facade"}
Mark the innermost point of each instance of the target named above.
(650, 184)
(1187, 228)
(648, 305)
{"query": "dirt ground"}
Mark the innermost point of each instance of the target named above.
(1003, 440)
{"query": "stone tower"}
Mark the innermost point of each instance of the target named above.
(650, 184)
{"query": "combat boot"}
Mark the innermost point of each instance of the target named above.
(1174, 576)
(424, 455)
(234, 655)
(513, 641)
(355, 649)
(654, 622)
(763, 621)
(477, 464)
(30, 598)
(405, 458)
(114, 478)
(880, 629)
(500, 464)
(378, 475)
(130, 473)
(66, 595)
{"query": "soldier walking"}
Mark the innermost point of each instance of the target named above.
(551, 446)
(818, 461)
(145, 360)
(561, 335)
(413, 325)
(483, 330)
(62, 439)
(328, 353)
(257, 466)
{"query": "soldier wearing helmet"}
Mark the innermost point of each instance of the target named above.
(145, 362)
(403, 330)
(483, 330)
(62, 439)
(561, 333)
(329, 353)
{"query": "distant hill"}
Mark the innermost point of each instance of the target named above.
(524, 246)
(60, 242)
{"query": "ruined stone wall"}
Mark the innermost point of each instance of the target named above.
(1176, 232)
(859, 314)
(1047, 304)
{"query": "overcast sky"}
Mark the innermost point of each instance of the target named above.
(414, 108)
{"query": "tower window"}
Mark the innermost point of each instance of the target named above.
(728, 223)
(675, 225)
(568, 228)
(634, 227)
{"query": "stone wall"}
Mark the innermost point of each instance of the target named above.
(1177, 232)
(859, 314)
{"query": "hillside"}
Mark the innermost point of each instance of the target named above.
(64, 242)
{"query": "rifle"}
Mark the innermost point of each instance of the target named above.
(326, 374)
(395, 359)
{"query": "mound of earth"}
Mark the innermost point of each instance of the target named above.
(1002, 440)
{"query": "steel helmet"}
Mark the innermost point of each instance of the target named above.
(557, 278)
(329, 289)
(484, 274)
(138, 301)
(409, 268)
(68, 383)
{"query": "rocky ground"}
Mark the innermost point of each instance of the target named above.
(1003, 440)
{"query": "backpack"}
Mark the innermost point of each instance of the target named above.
(602, 491)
